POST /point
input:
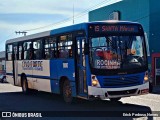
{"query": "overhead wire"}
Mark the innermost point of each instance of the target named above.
(71, 18)
(64, 20)
(77, 16)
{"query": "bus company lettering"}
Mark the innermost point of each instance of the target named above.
(108, 64)
(32, 65)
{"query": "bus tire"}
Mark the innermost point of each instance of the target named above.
(24, 85)
(115, 99)
(67, 92)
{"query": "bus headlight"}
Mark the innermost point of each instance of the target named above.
(146, 77)
(95, 82)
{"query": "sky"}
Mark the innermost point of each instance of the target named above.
(36, 16)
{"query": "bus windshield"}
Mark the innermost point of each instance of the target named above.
(117, 52)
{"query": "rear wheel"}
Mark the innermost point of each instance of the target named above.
(115, 99)
(24, 85)
(67, 92)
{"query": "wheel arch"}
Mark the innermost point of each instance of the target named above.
(23, 75)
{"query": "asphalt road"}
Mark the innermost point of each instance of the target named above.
(12, 99)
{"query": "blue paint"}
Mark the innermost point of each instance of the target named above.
(121, 80)
(57, 70)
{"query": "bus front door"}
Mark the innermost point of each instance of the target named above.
(15, 65)
(81, 66)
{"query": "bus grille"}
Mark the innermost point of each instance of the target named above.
(124, 92)
(122, 81)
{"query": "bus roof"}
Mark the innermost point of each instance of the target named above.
(71, 28)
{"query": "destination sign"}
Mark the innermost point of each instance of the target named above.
(114, 28)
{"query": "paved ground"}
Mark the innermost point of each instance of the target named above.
(12, 99)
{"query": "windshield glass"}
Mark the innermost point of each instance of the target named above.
(117, 52)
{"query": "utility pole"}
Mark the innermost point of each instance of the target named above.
(21, 32)
(73, 10)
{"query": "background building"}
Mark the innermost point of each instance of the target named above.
(146, 12)
(2, 62)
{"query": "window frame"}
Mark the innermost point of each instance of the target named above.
(39, 50)
(48, 39)
(64, 46)
(10, 44)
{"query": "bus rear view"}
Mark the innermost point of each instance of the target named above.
(117, 60)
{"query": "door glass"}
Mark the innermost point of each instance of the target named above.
(81, 65)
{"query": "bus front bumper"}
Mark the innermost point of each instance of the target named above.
(104, 93)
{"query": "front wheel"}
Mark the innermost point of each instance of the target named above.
(24, 85)
(67, 92)
(115, 99)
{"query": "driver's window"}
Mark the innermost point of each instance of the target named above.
(137, 46)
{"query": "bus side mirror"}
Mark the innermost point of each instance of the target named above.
(86, 48)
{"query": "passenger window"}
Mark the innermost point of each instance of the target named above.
(9, 52)
(65, 46)
(50, 48)
(37, 48)
(20, 54)
(28, 50)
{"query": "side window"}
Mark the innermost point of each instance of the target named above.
(65, 46)
(20, 54)
(47, 49)
(50, 48)
(37, 49)
(9, 52)
(28, 50)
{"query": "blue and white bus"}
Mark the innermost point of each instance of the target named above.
(106, 60)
